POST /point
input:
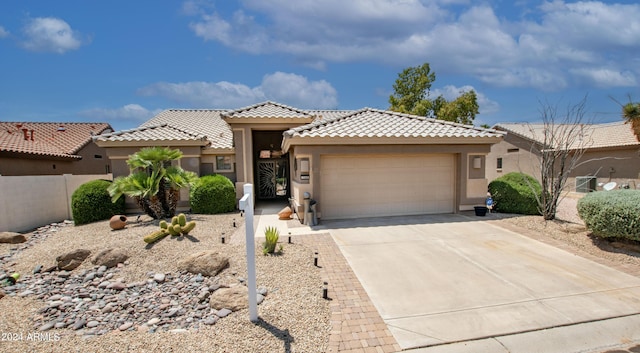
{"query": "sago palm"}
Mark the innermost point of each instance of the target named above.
(152, 184)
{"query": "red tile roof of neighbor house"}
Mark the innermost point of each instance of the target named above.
(48, 139)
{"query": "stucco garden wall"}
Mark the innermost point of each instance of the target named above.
(29, 202)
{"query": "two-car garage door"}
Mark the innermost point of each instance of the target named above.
(386, 185)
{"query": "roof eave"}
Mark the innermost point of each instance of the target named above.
(289, 141)
(146, 143)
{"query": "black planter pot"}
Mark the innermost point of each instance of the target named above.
(480, 210)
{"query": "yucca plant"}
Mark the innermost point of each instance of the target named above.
(271, 236)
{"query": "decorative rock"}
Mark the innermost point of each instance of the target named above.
(153, 321)
(1, 294)
(208, 263)
(285, 213)
(259, 298)
(110, 257)
(159, 277)
(79, 324)
(223, 313)
(93, 323)
(125, 326)
(72, 260)
(49, 325)
(117, 286)
(234, 298)
(210, 320)
(12, 238)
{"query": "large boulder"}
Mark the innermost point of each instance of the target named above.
(234, 298)
(207, 263)
(12, 238)
(110, 257)
(72, 260)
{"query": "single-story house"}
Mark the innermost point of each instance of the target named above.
(37, 148)
(361, 163)
(611, 154)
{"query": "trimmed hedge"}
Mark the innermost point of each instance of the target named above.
(513, 193)
(612, 214)
(213, 194)
(91, 203)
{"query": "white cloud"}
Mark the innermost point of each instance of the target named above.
(603, 77)
(540, 49)
(49, 34)
(450, 92)
(130, 112)
(283, 87)
(3, 32)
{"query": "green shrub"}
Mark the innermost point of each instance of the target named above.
(612, 214)
(514, 193)
(91, 202)
(271, 236)
(213, 194)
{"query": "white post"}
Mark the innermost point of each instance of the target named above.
(246, 204)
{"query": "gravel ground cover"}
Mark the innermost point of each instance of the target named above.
(293, 315)
(294, 318)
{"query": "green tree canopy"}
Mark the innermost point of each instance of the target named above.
(411, 95)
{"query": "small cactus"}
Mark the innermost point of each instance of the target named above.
(173, 231)
(163, 224)
(174, 220)
(155, 236)
(182, 220)
(188, 227)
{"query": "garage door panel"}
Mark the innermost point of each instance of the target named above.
(386, 185)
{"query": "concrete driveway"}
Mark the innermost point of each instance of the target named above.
(454, 278)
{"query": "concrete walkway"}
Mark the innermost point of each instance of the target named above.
(452, 283)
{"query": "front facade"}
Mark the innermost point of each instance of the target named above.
(611, 154)
(34, 148)
(352, 163)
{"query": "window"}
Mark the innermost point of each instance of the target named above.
(512, 150)
(224, 164)
(499, 163)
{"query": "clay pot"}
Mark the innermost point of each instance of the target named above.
(118, 222)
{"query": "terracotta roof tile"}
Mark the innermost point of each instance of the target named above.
(268, 110)
(616, 134)
(48, 139)
(182, 125)
(370, 122)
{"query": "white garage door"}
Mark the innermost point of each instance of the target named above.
(386, 185)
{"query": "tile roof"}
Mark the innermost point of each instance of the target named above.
(48, 139)
(181, 125)
(370, 122)
(616, 134)
(329, 114)
(268, 110)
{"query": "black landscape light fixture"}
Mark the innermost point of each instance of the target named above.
(315, 259)
(325, 290)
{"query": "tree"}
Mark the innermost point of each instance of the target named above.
(411, 95)
(631, 114)
(560, 144)
(153, 183)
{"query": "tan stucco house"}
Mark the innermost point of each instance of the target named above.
(50, 148)
(360, 163)
(611, 154)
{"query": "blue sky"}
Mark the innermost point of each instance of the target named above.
(121, 62)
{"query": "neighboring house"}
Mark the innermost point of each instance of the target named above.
(360, 163)
(611, 154)
(30, 148)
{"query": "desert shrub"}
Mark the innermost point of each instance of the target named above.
(271, 235)
(91, 202)
(612, 214)
(516, 193)
(213, 194)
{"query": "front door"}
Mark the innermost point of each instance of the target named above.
(273, 178)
